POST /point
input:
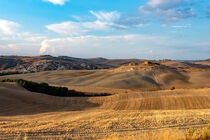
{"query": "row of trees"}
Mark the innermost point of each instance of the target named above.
(50, 90)
(9, 73)
(14, 72)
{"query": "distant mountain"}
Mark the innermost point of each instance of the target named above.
(48, 62)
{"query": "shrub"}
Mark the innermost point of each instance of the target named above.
(173, 88)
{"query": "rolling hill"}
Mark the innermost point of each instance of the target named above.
(148, 100)
(49, 63)
(30, 115)
(143, 80)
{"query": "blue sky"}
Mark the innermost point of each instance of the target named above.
(151, 29)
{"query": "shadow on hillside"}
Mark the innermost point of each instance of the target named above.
(37, 108)
(15, 101)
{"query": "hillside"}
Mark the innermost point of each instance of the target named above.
(46, 63)
(15, 100)
(143, 80)
(23, 100)
(140, 114)
(49, 63)
(153, 99)
(115, 62)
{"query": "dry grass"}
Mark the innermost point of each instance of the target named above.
(105, 124)
(156, 100)
(164, 134)
(136, 114)
(198, 134)
(145, 80)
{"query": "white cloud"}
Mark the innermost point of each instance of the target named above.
(164, 25)
(22, 37)
(8, 27)
(164, 4)
(77, 18)
(9, 32)
(96, 25)
(126, 46)
(69, 27)
(168, 10)
(19, 49)
(57, 2)
(9, 47)
(205, 44)
(106, 16)
(12, 46)
(182, 26)
(105, 21)
(46, 48)
(100, 45)
(36, 38)
(77, 28)
(172, 15)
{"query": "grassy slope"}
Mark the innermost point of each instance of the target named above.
(146, 80)
(34, 112)
(15, 100)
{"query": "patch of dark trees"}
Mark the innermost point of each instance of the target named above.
(50, 90)
(14, 72)
(9, 73)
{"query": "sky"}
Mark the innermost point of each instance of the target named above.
(143, 29)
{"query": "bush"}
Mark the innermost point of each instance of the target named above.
(173, 88)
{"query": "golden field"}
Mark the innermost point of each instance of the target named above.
(147, 102)
(131, 114)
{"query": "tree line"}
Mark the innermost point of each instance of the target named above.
(50, 90)
(9, 73)
(13, 72)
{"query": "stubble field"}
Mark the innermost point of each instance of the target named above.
(129, 114)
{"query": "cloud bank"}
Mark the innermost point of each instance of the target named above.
(105, 21)
(101, 45)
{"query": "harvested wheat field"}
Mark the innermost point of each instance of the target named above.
(128, 114)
